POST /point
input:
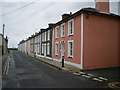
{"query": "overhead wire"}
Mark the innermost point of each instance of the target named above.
(18, 9)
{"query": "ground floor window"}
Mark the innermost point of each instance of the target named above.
(38, 49)
(70, 48)
(48, 48)
(42, 48)
(56, 48)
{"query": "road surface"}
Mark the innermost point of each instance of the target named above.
(27, 72)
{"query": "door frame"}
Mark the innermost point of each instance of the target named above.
(62, 49)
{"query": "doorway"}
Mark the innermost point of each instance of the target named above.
(62, 49)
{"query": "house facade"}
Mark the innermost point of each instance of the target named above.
(3, 45)
(46, 42)
(37, 44)
(87, 39)
(66, 39)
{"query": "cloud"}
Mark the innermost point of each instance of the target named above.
(26, 21)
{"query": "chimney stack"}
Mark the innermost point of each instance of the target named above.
(102, 6)
(64, 16)
(50, 24)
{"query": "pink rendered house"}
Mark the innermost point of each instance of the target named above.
(88, 39)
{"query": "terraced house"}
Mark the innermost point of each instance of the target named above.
(87, 39)
(46, 42)
(39, 44)
(3, 53)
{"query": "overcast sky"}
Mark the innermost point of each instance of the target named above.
(23, 22)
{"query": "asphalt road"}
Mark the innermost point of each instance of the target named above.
(26, 72)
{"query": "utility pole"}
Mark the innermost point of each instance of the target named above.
(3, 40)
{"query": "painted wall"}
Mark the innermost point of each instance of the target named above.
(75, 38)
(100, 42)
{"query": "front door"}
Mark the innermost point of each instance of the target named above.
(62, 50)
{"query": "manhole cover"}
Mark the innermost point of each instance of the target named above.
(115, 85)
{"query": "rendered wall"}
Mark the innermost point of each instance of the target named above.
(100, 42)
(75, 38)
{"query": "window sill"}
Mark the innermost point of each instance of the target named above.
(56, 38)
(70, 34)
(62, 36)
(70, 57)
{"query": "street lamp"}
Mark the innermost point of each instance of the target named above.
(3, 41)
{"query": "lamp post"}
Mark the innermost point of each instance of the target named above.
(3, 40)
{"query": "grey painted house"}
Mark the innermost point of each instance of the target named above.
(46, 42)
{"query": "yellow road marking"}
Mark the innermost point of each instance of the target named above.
(114, 85)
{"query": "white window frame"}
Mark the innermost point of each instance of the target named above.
(69, 31)
(48, 34)
(56, 48)
(48, 48)
(69, 41)
(42, 48)
(42, 36)
(62, 30)
(57, 32)
(45, 36)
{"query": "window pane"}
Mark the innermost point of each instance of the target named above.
(49, 35)
(63, 29)
(48, 48)
(56, 32)
(71, 27)
(56, 49)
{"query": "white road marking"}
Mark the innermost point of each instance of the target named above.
(77, 73)
(97, 79)
(82, 73)
(86, 76)
(102, 78)
(90, 75)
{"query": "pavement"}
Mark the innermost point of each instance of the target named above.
(3, 65)
(58, 65)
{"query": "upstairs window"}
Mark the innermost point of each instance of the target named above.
(56, 32)
(48, 48)
(45, 36)
(70, 27)
(62, 30)
(48, 35)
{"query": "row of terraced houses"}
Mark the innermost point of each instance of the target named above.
(87, 39)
